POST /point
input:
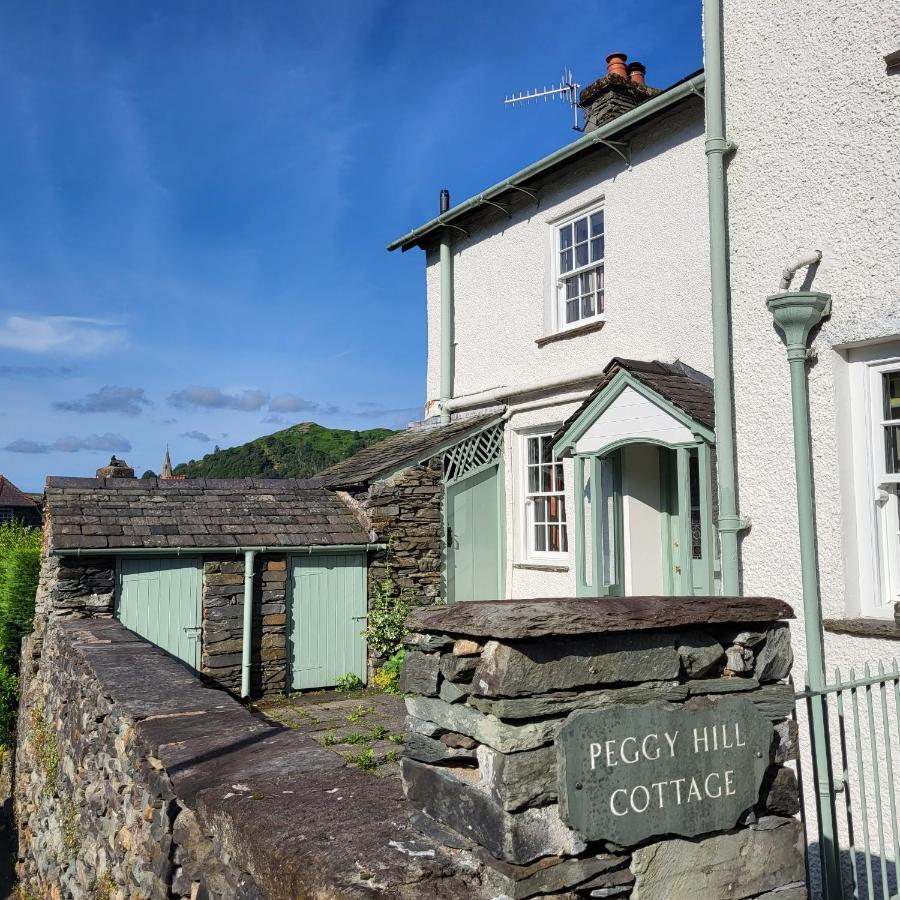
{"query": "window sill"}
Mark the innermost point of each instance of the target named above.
(886, 629)
(541, 567)
(589, 328)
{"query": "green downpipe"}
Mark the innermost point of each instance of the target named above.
(796, 314)
(730, 523)
(246, 645)
(447, 361)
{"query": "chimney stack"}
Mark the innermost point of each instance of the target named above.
(117, 468)
(622, 88)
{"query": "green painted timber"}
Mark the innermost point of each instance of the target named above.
(474, 540)
(159, 599)
(327, 618)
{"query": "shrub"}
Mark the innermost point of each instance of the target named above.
(20, 563)
(387, 678)
(386, 626)
(350, 682)
(9, 700)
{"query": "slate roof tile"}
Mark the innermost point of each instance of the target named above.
(690, 391)
(88, 513)
(399, 451)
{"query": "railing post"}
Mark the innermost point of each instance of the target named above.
(796, 314)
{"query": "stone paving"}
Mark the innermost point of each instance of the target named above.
(364, 727)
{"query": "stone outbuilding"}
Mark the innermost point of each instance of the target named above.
(174, 561)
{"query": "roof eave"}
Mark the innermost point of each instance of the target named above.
(658, 104)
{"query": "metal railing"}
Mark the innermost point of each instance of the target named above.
(863, 714)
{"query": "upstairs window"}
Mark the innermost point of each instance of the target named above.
(545, 501)
(579, 260)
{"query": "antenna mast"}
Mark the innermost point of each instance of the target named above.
(566, 90)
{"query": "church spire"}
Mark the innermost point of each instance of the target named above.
(167, 465)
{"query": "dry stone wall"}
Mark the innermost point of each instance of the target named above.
(490, 689)
(135, 780)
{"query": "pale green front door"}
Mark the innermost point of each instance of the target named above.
(474, 537)
(159, 599)
(327, 618)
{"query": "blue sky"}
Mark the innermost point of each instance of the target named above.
(197, 197)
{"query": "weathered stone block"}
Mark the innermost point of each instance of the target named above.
(428, 643)
(780, 793)
(738, 659)
(484, 729)
(559, 703)
(699, 652)
(775, 657)
(465, 647)
(517, 780)
(458, 668)
(420, 673)
(428, 750)
(538, 667)
(736, 865)
(516, 837)
(219, 579)
(547, 876)
(786, 742)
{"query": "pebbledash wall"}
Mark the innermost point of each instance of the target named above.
(816, 118)
(657, 292)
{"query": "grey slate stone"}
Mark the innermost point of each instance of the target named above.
(537, 667)
(428, 643)
(724, 685)
(428, 750)
(454, 693)
(517, 780)
(739, 659)
(458, 668)
(420, 673)
(774, 700)
(561, 702)
(736, 865)
(522, 619)
(699, 652)
(780, 793)
(455, 803)
(545, 877)
(775, 658)
(484, 729)
(786, 742)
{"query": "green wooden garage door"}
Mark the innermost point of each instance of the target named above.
(160, 600)
(328, 615)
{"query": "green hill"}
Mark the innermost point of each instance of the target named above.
(297, 452)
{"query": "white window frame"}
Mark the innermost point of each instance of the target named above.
(559, 278)
(878, 573)
(528, 552)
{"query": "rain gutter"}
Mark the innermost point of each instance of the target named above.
(599, 137)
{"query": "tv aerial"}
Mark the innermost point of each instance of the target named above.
(566, 90)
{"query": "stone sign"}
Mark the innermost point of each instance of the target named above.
(627, 773)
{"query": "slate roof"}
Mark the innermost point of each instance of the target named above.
(10, 495)
(97, 513)
(670, 380)
(399, 451)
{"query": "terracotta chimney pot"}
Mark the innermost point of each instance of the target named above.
(636, 72)
(615, 64)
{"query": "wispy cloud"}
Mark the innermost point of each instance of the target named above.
(273, 420)
(71, 444)
(67, 335)
(35, 371)
(196, 397)
(294, 403)
(201, 436)
(110, 398)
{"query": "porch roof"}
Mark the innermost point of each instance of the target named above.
(399, 451)
(113, 513)
(683, 387)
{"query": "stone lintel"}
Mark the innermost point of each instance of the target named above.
(519, 619)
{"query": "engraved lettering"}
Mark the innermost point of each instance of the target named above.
(628, 761)
(612, 802)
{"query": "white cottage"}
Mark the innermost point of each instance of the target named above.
(575, 293)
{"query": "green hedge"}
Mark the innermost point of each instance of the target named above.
(20, 562)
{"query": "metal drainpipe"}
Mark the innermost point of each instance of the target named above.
(447, 360)
(717, 145)
(246, 647)
(796, 314)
